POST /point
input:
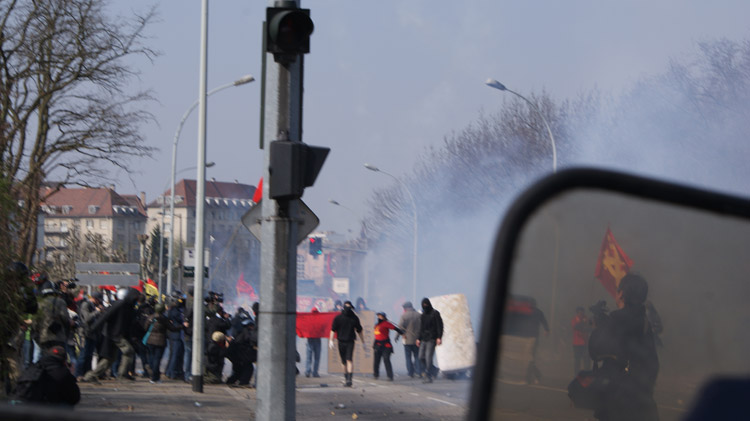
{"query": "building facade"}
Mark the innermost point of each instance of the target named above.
(92, 224)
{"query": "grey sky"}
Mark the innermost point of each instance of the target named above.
(387, 79)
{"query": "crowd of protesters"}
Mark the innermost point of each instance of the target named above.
(74, 334)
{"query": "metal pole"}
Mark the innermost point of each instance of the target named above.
(200, 203)
(278, 282)
(161, 247)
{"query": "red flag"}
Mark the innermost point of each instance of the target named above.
(258, 191)
(243, 288)
(613, 264)
(315, 325)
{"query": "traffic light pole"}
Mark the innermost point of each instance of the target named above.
(278, 282)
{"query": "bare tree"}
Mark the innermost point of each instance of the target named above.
(64, 100)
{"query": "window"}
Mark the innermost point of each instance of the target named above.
(66, 209)
(63, 226)
(90, 223)
(93, 209)
(102, 224)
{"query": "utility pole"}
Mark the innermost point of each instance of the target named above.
(286, 39)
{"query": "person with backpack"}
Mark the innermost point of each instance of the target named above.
(49, 381)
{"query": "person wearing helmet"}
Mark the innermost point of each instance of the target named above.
(52, 325)
(382, 346)
(115, 324)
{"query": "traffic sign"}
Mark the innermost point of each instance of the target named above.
(308, 221)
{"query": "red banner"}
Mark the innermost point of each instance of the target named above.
(613, 264)
(315, 325)
(243, 288)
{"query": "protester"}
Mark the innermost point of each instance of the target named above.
(52, 323)
(382, 346)
(115, 324)
(242, 352)
(215, 354)
(624, 345)
(344, 327)
(155, 338)
(430, 335)
(174, 337)
(409, 322)
(88, 311)
(312, 362)
(49, 381)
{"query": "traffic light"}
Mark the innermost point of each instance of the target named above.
(316, 246)
(294, 166)
(288, 32)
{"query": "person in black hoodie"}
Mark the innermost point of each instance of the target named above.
(344, 327)
(624, 351)
(115, 324)
(430, 335)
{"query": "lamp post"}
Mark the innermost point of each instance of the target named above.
(497, 85)
(414, 208)
(241, 81)
(367, 246)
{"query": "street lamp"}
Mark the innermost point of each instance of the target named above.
(241, 81)
(414, 208)
(171, 233)
(367, 246)
(497, 85)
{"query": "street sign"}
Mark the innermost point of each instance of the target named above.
(307, 220)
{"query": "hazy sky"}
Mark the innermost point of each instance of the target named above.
(387, 79)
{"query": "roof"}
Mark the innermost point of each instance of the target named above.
(90, 203)
(217, 193)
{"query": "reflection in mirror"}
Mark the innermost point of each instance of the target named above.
(654, 348)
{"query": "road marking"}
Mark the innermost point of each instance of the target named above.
(442, 401)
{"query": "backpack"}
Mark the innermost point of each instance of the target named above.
(30, 385)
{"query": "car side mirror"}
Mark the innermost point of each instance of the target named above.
(576, 241)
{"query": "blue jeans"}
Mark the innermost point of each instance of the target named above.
(187, 360)
(155, 354)
(83, 365)
(426, 352)
(175, 356)
(411, 352)
(313, 356)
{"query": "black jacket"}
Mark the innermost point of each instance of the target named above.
(117, 320)
(431, 324)
(345, 325)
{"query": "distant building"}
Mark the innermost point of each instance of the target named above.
(95, 215)
(229, 243)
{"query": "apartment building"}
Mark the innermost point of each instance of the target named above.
(93, 217)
